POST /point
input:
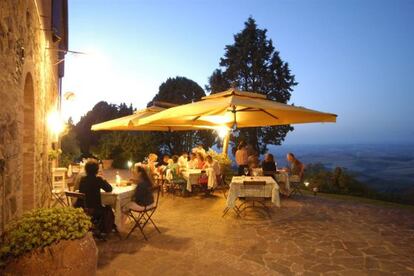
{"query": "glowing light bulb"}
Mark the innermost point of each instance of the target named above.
(222, 131)
(55, 122)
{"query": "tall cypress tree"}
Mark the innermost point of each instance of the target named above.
(252, 64)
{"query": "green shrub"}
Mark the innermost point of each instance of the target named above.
(42, 227)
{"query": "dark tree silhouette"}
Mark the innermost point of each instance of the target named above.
(180, 90)
(101, 112)
(253, 64)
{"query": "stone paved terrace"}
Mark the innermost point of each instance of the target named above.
(307, 236)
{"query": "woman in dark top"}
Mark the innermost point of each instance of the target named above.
(269, 165)
(143, 197)
(91, 186)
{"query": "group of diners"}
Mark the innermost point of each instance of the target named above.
(91, 185)
(248, 160)
(175, 168)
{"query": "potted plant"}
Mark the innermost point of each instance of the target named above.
(53, 156)
(49, 241)
(105, 151)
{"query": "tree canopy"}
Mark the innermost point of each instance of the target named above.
(101, 112)
(180, 90)
(253, 64)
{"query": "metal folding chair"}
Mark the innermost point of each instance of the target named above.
(254, 192)
(142, 218)
(222, 185)
(295, 181)
(59, 185)
(73, 198)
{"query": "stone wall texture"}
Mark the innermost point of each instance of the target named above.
(29, 86)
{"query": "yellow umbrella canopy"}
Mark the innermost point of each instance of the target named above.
(132, 123)
(236, 108)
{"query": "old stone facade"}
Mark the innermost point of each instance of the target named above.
(31, 64)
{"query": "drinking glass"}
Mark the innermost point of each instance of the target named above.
(246, 171)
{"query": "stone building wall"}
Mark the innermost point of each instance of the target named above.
(28, 93)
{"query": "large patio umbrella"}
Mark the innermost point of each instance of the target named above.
(234, 108)
(132, 123)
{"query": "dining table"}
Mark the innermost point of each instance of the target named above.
(269, 190)
(119, 197)
(192, 177)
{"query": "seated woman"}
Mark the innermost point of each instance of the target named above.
(193, 163)
(215, 166)
(183, 161)
(269, 165)
(175, 170)
(164, 161)
(200, 160)
(143, 196)
(91, 186)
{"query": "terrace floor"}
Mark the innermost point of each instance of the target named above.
(306, 236)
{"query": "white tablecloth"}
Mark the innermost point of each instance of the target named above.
(271, 189)
(119, 197)
(192, 176)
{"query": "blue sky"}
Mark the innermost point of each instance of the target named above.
(353, 58)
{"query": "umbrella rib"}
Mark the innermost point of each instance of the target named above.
(269, 114)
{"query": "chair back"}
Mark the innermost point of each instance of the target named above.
(253, 189)
(252, 183)
(157, 190)
(295, 178)
(269, 173)
(72, 197)
(59, 180)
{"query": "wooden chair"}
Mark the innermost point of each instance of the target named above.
(142, 218)
(254, 192)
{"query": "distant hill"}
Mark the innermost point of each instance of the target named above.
(385, 168)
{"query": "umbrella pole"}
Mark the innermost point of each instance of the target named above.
(226, 141)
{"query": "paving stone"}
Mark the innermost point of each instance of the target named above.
(307, 236)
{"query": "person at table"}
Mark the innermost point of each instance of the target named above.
(176, 173)
(211, 163)
(91, 186)
(295, 166)
(164, 161)
(199, 149)
(183, 161)
(253, 161)
(152, 162)
(241, 158)
(143, 197)
(269, 165)
(193, 163)
(200, 160)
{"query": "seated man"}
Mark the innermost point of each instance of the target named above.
(269, 165)
(91, 186)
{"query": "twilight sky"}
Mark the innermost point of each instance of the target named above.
(350, 57)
